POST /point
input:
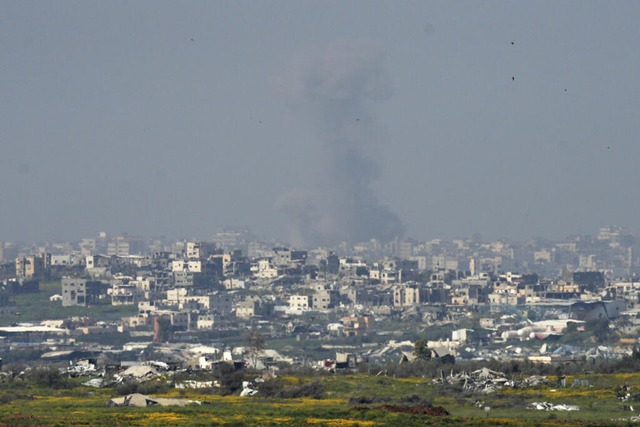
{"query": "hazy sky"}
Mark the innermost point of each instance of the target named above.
(511, 119)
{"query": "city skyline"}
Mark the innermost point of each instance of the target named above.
(241, 237)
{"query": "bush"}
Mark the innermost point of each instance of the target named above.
(47, 376)
(365, 400)
(271, 388)
(315, 390)
(230, 379)
(275, 388)
(414, 399)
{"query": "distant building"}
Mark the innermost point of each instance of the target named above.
(221, 304)
(123, 294)
(289, 258)
(597, 310)
(32, 266)
(205, 321)
(246, 309)
(80, 292)
(199, 250)
(323, 299)
(126, 245)
(300, 302)
(407, 295)
(355, 326)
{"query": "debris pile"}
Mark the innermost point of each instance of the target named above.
(250, 388)
(546, 406)
(623, 393)
(95, 382)
(192, 384)
(534, 380)
(635, 419)
(486, 380)
(84, 367)
(141, 400)
(247, 389)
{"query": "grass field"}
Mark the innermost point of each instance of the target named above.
(34, 307)
(24, 404)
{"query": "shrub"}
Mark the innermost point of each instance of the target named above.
(47, 376)
(414, 399)
(314, 390)
(365, 400)
(271, 388)
(230, 379)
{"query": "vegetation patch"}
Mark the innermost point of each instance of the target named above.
(436, 411)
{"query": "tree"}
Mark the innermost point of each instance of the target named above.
(599, 330)
(48, 376)
(255, 345)
(230, 379)
(165, 329)
(421, 349)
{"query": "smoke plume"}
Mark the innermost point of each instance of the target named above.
(334, 92)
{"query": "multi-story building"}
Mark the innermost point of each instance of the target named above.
(323, 299)
(300, 302)
(221, 304)
(200, 250)
(246, 309)
(32, 266)
(288, 258)
(205, 322)
(123, 294)
(82, 292)
(407, 295)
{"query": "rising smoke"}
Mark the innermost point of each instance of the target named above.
(334, 92)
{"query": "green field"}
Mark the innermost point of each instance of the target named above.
(349, 400)
(35, 307)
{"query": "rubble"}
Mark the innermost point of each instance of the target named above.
(635, 419)
(141, 400)
(95, 382)
(535, 380)
(247, 390)
(486, 380)
(83, 367)
(623, 393)
(545, 406)
(192, 384)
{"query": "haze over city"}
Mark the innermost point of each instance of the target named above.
(318, 121)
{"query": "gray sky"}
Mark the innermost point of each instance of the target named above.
(511, 119)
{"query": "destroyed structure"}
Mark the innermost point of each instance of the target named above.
(489, 300)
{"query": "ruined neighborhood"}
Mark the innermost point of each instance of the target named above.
(196, 304)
